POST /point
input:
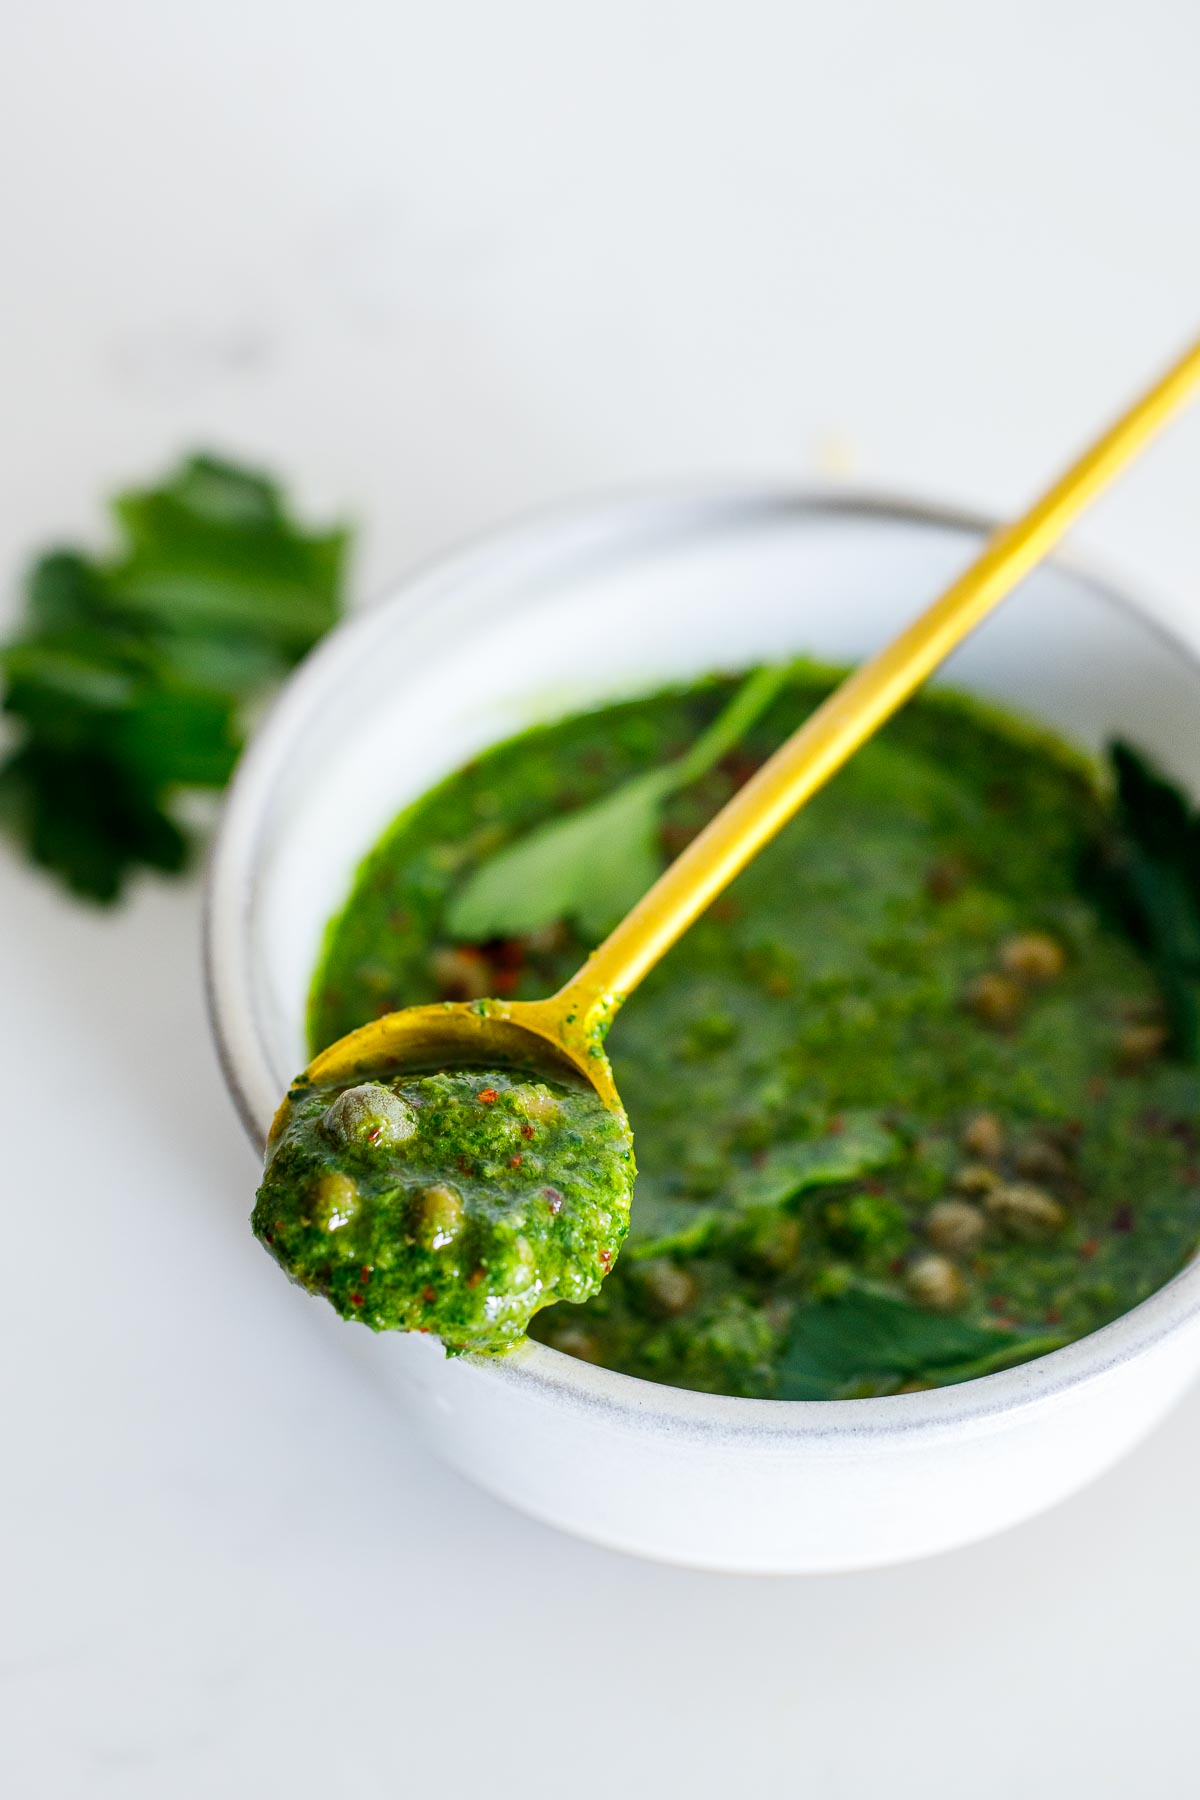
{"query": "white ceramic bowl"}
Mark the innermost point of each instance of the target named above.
(580, 606)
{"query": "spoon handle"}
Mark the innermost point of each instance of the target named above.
(863, 702)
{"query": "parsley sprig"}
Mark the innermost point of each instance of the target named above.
(132, 677)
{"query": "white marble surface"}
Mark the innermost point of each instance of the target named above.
(441, 263)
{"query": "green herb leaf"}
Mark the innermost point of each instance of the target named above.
(861, 1146)
(589, 866)
(665, 1226)
(214, 551)
(867, 1338)
(85, 817)
(592, 865)
(1147, 876)
(129, 678)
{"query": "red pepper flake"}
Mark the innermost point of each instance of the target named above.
(514, 1162)
(527, 1131)
(506, 981)
(356, 1299)
(606, 1260)
(488, 1096)
(428, 1296)
(1089, 1248)
(374, 1136)
(555, 1199)
(474, 1278)
(365, 1271)
(1122, 1219)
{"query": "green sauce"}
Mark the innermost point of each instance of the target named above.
(454, 1203)
(900, 1101)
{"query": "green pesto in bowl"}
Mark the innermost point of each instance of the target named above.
(906, 1101)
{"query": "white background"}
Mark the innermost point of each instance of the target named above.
(437, 263)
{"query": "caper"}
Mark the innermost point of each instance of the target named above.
(983, 1136)
(934, 1282)
(334, 1200)
(436, 1215)
(669, 1289)
(1041, 1160)
(536, 1102)
(1025, 1212)
(1033, 956)
(955, 1227)
(370, 1115)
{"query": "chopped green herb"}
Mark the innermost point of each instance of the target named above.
(131, 676)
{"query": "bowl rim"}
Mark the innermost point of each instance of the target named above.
(562, 1381)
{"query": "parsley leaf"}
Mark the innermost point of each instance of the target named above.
(593, 864)
(665, 1226)
(589, 866)
(866, 1338)
(788, 1169)
(132, 675)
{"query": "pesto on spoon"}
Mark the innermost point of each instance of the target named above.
(455, 1203)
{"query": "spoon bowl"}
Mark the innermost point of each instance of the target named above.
(544, 1036)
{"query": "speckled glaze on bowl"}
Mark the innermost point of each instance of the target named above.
(579, 606)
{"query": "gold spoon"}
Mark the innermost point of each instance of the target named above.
(565, 1033)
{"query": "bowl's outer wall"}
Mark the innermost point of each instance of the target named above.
(614, 599)
(769, 1504)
